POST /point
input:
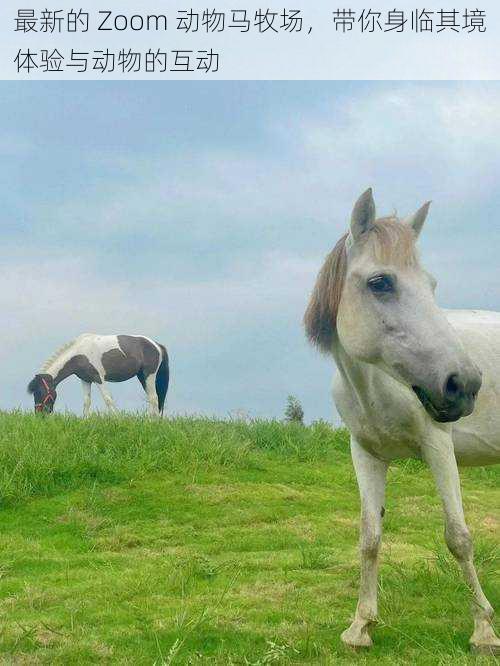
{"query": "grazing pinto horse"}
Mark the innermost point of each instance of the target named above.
(407, 386)
(97, 359)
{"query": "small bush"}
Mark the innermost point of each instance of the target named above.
(294, 412)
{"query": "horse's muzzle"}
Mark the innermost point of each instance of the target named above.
(47, 408)
(457, 398)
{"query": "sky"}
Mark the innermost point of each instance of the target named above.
(199, 214)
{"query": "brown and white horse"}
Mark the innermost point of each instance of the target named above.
(97, 359)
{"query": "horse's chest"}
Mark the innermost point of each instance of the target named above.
(388, 438)
(387, 426)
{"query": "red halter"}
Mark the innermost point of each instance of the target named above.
(49, 396)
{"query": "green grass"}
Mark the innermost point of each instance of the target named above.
(196, 541)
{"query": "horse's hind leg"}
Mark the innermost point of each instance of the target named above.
(150, 388)
(371, 475)
(440, 457)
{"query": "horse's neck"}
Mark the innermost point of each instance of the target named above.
(358, 377)
(60, 368)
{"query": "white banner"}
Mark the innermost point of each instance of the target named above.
(249, 40)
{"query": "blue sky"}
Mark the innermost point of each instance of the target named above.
(199, 214)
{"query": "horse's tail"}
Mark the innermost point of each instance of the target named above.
(162, 377)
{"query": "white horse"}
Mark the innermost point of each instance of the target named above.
(97, 359)
(407, 372)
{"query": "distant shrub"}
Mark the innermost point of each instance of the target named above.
(294, 412)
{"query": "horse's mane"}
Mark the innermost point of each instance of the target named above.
(390, 241)
(61, 351)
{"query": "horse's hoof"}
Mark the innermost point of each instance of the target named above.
(489, 649)
(356, 639)
(484, 640)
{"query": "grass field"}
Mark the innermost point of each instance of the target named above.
(195, 541)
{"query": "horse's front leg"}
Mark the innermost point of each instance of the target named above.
(86, 387)
(440, 456)
(108, 398)
(371, 475)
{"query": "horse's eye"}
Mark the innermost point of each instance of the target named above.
(381, 284)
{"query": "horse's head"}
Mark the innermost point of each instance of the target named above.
(374, 298)
(44, 392)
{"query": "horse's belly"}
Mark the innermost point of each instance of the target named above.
(476, 439)
(118, 367)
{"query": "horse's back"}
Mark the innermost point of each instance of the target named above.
(120, 357)
(479, 331)
(472, 318)
(477, 437)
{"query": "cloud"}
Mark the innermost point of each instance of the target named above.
(411, 142)
(440, 140)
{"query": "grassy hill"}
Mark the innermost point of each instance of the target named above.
(195, 541)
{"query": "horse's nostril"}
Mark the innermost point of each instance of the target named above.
(453, 385)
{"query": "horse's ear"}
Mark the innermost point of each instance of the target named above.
(32, 385)
(416, 221)
(363, 214)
